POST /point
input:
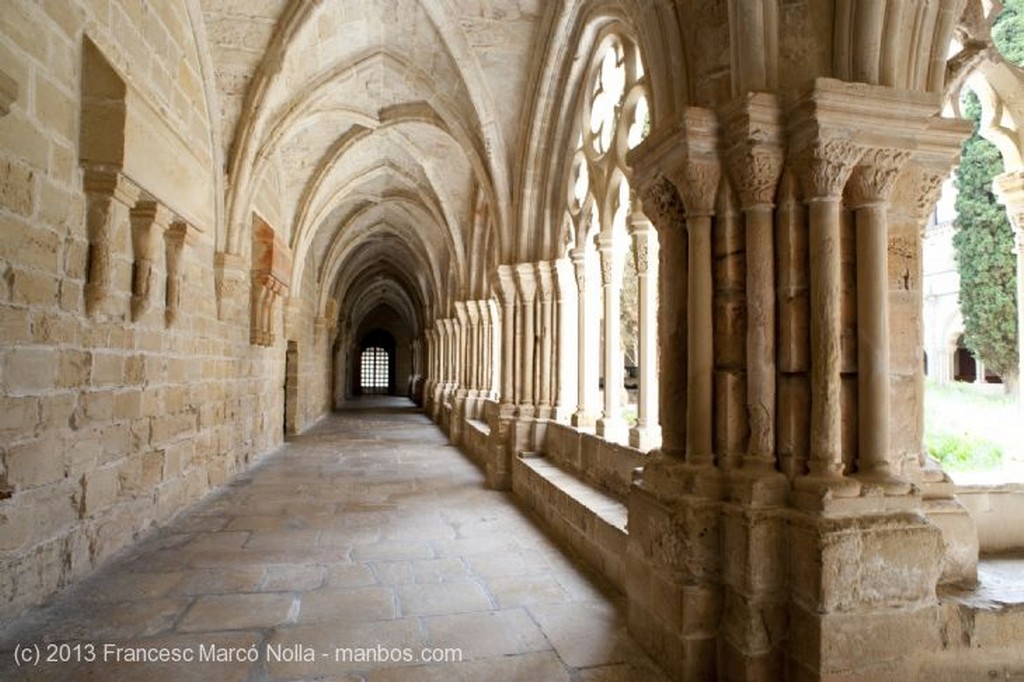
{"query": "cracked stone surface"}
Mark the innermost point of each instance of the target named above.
(368, 531)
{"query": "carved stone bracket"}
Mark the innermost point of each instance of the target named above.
(230, 280)
(271, 272)
(149, 218)
(177, 236)
(110, 195)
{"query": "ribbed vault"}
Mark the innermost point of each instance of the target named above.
(374, 137)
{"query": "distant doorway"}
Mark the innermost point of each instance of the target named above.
(375, 371)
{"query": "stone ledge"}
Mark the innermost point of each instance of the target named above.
(589, 521)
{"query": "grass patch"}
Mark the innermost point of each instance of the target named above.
(963, 452)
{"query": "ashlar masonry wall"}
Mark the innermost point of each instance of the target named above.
(113, 421)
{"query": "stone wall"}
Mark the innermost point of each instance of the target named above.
(113, 422)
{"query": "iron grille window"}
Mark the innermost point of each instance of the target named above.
(374, 376)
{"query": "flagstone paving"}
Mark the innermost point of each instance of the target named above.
(367, 539)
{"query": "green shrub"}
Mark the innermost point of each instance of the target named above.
(963, 452)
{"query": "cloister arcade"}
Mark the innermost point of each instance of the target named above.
(223, 220)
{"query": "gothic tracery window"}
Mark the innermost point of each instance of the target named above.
(613, 118)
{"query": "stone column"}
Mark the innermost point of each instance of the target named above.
(1009, 187)
(586, 367)
(662, 204)
(475, 311)
(506, 287)
(566, 373)
(611, 426)
(755, 163)
(697, 182)
(824, 167)
(109, 198)
(465, 336)
(526, 287)
(870, 186)
(545, 329)
(646, 435)
(495, 349)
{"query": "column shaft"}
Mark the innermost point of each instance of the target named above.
(701, 350)
(873, 341)
(647, 432)
(611, 425)
(826, 385)
(760, 336)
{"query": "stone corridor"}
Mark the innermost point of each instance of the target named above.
(367, 532)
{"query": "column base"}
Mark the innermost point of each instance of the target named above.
(889, 483)
(613, 429)
(645, 438)
(582, 419)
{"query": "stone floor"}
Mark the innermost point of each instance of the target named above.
(368, 538)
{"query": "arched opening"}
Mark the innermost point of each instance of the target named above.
(965, 368)
(375, 368)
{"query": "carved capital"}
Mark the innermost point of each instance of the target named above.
(824, 166)
(757, 158)
(526, 281)
(473, 312)
(929, 186)
(697, 182)
(661, 203)
(756, 170)
(461, 312)
(872, 180)
(504, 284)
(611, 258)
(579, 265)
(563, 273)
(642, 257)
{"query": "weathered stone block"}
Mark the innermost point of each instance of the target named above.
(38, 462)
(14, 324)
(754, 542)
(30, 370)
(17, 191)
(18, 415)
(33, 288)
(859, 642)
(107, 369)
(99, 490)
(58, 411)
(75, 369)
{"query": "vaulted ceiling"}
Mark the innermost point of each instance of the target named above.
(376, 137)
